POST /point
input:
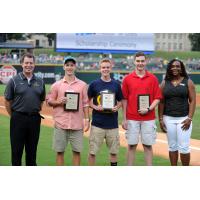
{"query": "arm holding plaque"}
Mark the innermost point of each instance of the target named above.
(144, 106)
(154, 103)
(117, 107)
(58, 102)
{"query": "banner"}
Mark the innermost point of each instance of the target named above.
(105, 42)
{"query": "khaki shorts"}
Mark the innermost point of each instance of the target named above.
(62, 137)
(144, 130)
(97, 136)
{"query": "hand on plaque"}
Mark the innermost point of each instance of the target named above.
(115, 109)
(98, 108)
(143, 111)
(62, 101)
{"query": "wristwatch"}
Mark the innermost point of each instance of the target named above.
(148, 109)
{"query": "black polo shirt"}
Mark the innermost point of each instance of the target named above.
(25, 97)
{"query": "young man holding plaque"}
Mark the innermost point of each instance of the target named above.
(69, 100)
(105, 97)
(141, 95)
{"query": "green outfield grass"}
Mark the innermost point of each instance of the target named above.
(46, 156)
(2, 89)
(197, 88)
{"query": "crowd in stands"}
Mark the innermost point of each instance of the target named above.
(91, 61)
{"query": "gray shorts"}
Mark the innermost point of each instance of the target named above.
(62, 137)
(144, 130)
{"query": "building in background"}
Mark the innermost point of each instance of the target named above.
(41, 41)
(172, 42)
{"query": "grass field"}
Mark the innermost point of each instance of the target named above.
(46, 156)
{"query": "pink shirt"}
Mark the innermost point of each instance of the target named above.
(68, 119)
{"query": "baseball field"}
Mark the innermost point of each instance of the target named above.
(46, 156)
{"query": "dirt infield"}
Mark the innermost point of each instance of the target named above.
(160, 148)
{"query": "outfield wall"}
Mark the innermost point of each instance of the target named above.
(51, 73)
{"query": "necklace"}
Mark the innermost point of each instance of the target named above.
(176, 82)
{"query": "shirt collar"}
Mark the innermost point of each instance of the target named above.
(75, 80)
(24, 77)
(136, 76)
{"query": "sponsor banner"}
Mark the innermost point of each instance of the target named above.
(6, 73)
(50, 74)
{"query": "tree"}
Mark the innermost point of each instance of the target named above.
(195, 41)
(16, 36)
(51, 36)
(3, 37)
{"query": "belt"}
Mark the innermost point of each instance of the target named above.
(29, 113)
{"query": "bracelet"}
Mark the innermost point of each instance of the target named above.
(87, 119)
(190, 118)
(148, 109)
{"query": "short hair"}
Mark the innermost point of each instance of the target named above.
(105, 60)
(169, 75)
(138, 54)
(28, 55)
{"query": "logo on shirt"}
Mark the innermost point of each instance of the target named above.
(36, 84)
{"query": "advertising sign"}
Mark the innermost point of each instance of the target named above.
(7, 72)
(105, 42)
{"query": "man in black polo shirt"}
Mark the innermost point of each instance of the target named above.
(24, 95)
